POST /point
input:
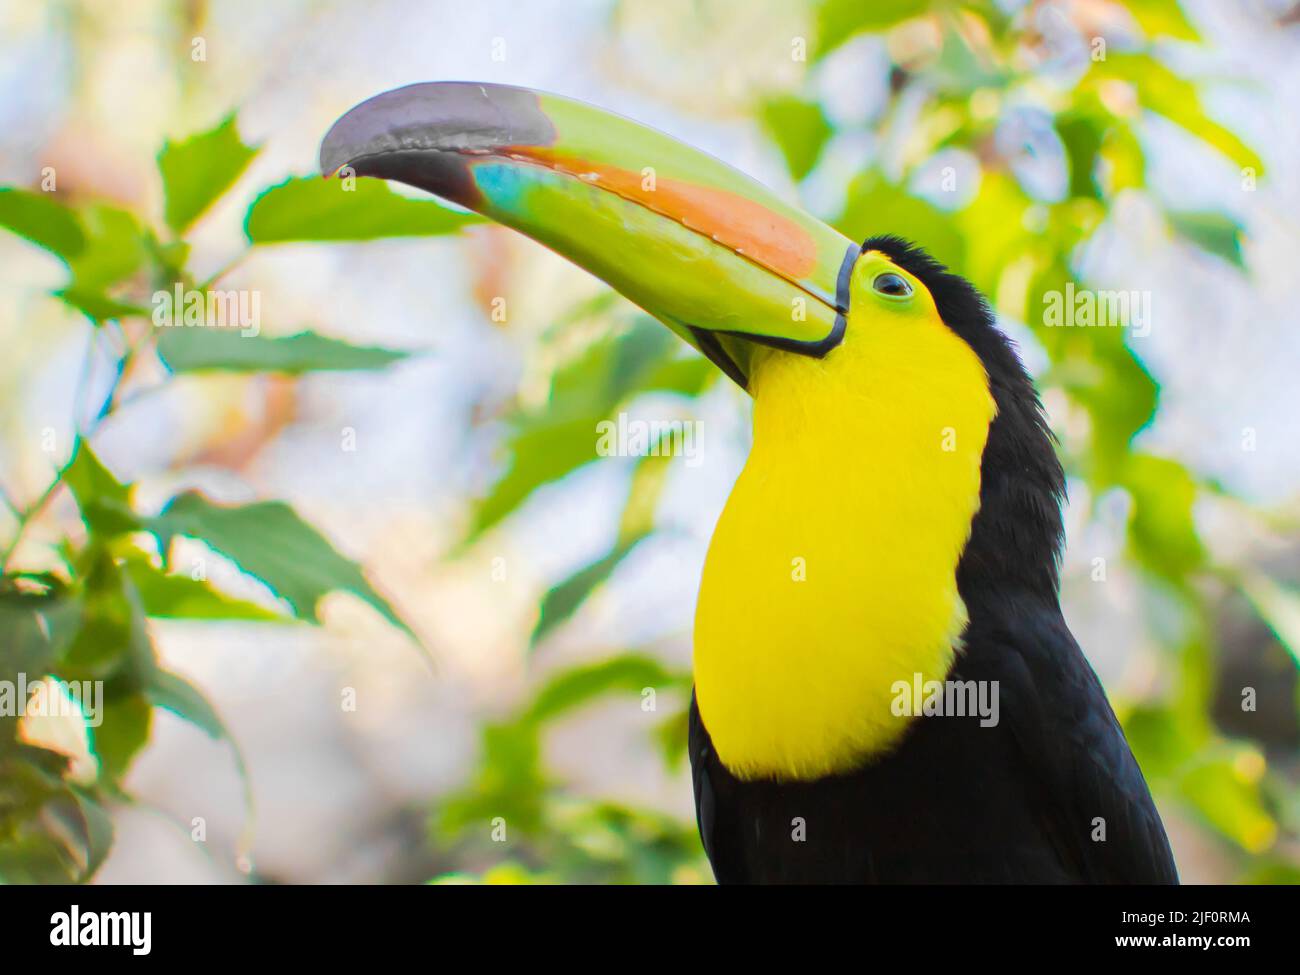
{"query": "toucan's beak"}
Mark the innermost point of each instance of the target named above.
(702, 247)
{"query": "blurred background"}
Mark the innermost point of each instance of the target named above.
(367, 605)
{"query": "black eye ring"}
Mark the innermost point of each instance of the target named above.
(891, 285)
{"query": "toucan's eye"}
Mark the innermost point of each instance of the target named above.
(892, 285)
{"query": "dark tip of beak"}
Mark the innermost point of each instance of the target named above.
(425, 135)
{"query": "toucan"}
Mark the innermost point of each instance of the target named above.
(886, 690)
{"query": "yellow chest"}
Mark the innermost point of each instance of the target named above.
(831, 574)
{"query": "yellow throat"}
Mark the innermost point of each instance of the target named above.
(832, 572)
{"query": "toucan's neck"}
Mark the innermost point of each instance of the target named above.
(832, 574)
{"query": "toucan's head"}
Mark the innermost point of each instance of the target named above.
(776, 298)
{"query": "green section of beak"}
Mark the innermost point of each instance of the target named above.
(704, 248)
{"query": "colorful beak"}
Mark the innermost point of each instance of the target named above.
(705, 249)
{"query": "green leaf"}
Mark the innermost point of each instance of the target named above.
(1125, 162)
(1098, 369)
(1214, 232)
(198, 349)
(111, 639)
(539, 454)
(43, 220)
(635, 525)
(1278, 606)
(197, 171)
(271, 543)
(1161, 91)
(314, 208)
(555, 441)
(1231, 803)
(509, 782)
(877, 206)
(839, 20)
(688, 375)
(104, 501)
(1081, 134)
(116, 248)
(560, 603)
(124, 730)
(1162, 18)
(96, 830)
(51, 832)
(628, 673)
(647, 487)
(97, 306)
(800, 130)
(169, 596)
(179, 696)
(672, 737)
(35, 622)
(994, 223)
(1161, 528)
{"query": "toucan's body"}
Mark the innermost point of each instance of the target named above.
(886, 690)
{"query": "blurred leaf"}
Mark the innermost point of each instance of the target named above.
(839, 20)
(635, 524)
(124, 730)
(560, 602)
(35, 624)
(611, 843)
(672, 736)
(960, 69)
(196, 349)
(1231, 803)
(1272, 871)
(539, 453)
(570, 689)
(556, 440)
(43, 220)
(1278, 606)
(800, 130)
(1216, 233)
(994, 223)
(1099, 370)
(647, 487)
(116, 248)
(179, 696)
(270, 542)
(198, 170)
(1159, 744)
(1161, 528)
(170, 596)
(689, 375)
(111, 640)
(1162, 18)
(1124, 162)
(97, 306)
(104, 501)
(96, 829)
(875, 206)
(1082, 137)
(314, 208)
(51, 832)
(508, 783)
(1165, 93)
(502, 874)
